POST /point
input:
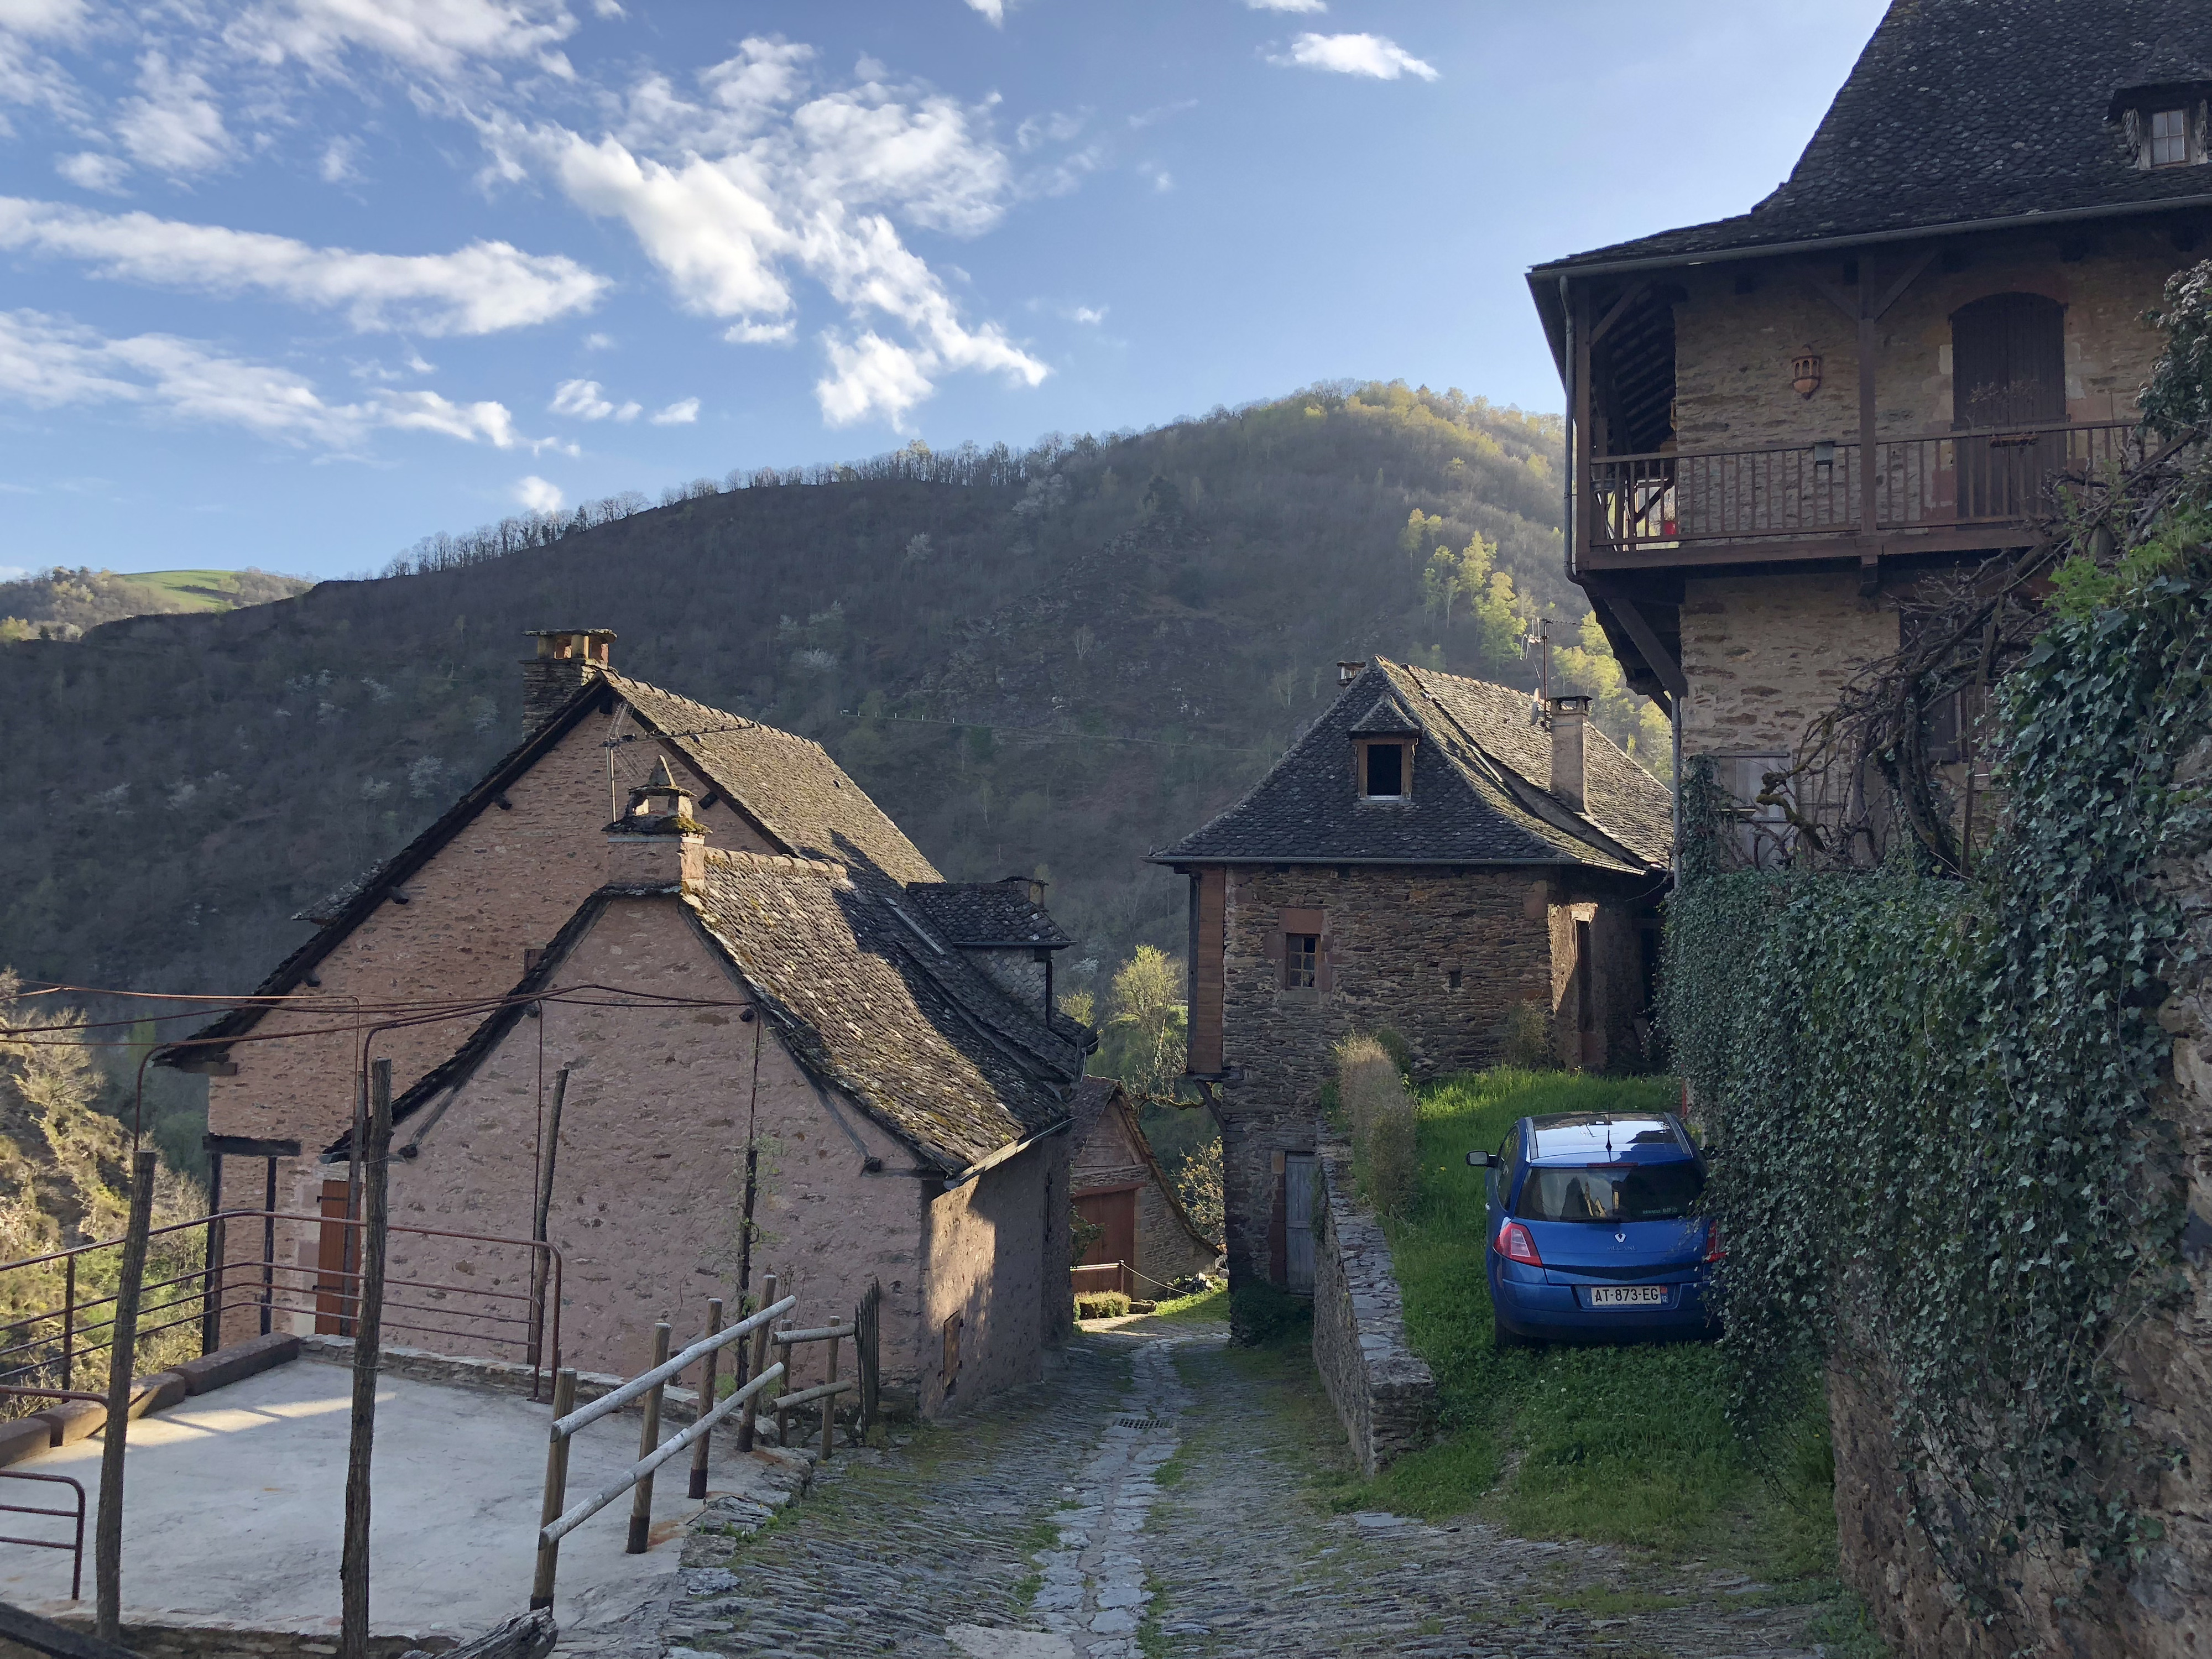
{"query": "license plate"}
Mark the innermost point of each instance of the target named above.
(1628, 1296)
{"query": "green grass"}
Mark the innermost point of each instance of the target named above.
(1622, 1445)
(1207, 1308)
(188, 585)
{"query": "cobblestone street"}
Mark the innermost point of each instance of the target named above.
(1148, 1500)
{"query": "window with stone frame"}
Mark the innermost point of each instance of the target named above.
(1302, 948)
(1383, 772)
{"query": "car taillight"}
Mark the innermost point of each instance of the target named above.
(1713, 1251)
(1515, 1245)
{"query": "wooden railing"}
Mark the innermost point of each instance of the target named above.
(1652, 503)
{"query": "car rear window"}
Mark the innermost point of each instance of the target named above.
(1610, 1191)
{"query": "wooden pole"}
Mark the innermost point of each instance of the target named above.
(211, 1302)
(556, 1490)
(648, 1442)
(539, 1220)
(760, 1358)
(107, 1537)
(706, 1399)
(372, 1162)
(349, 1262)
(829, 1407)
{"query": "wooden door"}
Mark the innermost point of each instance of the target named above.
(2007, 372)
(333, 1263)
(1114, 1215)
(1297, 1223)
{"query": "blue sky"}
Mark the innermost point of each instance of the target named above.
(292, 283)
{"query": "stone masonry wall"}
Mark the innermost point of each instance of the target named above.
(986, 1245)
(1733, 351)
(648, 1183)
(1764, 654)
(1383, 1391)
(506, 882)
(2165, 1368)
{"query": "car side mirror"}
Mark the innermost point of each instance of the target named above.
(1482, 1161)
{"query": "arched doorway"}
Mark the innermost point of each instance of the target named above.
(2008, 380)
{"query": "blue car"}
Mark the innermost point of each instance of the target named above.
(1591, 1234)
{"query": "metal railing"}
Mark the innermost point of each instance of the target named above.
(75, 1545)
(41, 1351)
(1650, 503)
(555, 1521)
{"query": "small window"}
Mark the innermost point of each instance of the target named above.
(1301, 961)
(1451, 978)
(1386, 770)
(2169, 138)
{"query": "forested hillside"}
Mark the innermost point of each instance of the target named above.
(1054, 660)
(61, 604)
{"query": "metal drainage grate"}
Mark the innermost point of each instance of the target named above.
(1139, 1423)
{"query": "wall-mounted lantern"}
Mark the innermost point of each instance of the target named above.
(1805, 375)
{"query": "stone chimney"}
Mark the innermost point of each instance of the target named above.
(1569, 716)
(565, 658)
(657, 843)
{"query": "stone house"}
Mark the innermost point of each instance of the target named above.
(1431, 854)
(1121, 1189)
(1783, 422)
(771, 984)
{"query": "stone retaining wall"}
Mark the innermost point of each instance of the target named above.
(1381, 1388)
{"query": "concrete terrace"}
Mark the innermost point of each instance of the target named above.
(234, 1501)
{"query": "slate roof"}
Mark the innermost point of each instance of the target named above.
(1481, 773)
(980, 912)
(867, 998)
(1092, 1099)
(1960, 110)
(799, 798)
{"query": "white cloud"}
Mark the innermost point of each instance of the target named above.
(994, 11)
(1375, 55)
(33, 18)
(1092, 316)
(732, 196)
(685, 413)
(1304, 7)
(442, 37)
(478, 289)
(90, 170)
(176, 127)
(872, 378)
(1161, 179)
(597, 342)
(581, 399)
(338, 164)
(51, 362)
(538, 495)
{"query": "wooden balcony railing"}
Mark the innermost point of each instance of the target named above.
(1643, 504)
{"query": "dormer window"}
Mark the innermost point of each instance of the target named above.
(2169, 138)
(1382, 743)
(2163, 126)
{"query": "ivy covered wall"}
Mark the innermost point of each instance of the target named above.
(1962, 1130)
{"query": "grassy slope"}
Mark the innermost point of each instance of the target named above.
(1620, 1445)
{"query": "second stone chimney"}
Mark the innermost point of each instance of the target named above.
(1569, 714)
(657, 843)
(565, 658)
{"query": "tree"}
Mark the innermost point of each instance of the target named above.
(1144, 1024)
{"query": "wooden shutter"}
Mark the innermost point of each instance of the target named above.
(1210, 892)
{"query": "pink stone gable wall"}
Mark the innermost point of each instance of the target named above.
(648, 1182)
(506, 882)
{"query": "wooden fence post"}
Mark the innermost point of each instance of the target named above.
(705, 1400)
(829, 1407)
(648, 1441)
(371, 1161)
(760, 1358)
(556, 1490)
(122, 1363)
(867, 1353)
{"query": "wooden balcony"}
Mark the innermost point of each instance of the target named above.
(1950, 492)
